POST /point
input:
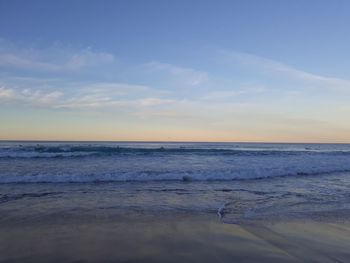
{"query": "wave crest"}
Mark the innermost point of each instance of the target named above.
(83, 151)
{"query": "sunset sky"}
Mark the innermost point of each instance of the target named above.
(267, 71)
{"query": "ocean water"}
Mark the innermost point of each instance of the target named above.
(237, 182)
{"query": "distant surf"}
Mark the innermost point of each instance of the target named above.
(54, 162)
(46, 151)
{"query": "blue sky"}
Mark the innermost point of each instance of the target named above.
(180, 70)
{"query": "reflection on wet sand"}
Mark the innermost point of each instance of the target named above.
(173, 238)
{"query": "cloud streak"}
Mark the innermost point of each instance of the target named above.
(52, 59)
(29, 96)
(5, 93)
(86, 97)
(261, 63)
(190, 76)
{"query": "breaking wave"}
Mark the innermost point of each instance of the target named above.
(80, 163)
(84, 151)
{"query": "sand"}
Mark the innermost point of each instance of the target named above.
(172, 238)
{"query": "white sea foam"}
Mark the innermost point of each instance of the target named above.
(144, 177)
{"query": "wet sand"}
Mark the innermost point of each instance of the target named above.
(172, 238)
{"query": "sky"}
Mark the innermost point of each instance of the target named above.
(240, 71)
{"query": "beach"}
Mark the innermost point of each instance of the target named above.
(171, 238)
(161, 202)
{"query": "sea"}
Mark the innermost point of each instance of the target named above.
(235, 182)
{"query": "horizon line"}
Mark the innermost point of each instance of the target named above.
(145, 141)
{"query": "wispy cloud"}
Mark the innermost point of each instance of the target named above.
(231, 93)
(55, 58)
(261, 63)
(103, 102)
(192, 77)
(5, 93)
(108, 95)
(95, 101)
(30, 96)
(103, 95)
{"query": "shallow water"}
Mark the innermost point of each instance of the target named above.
(318, 197)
